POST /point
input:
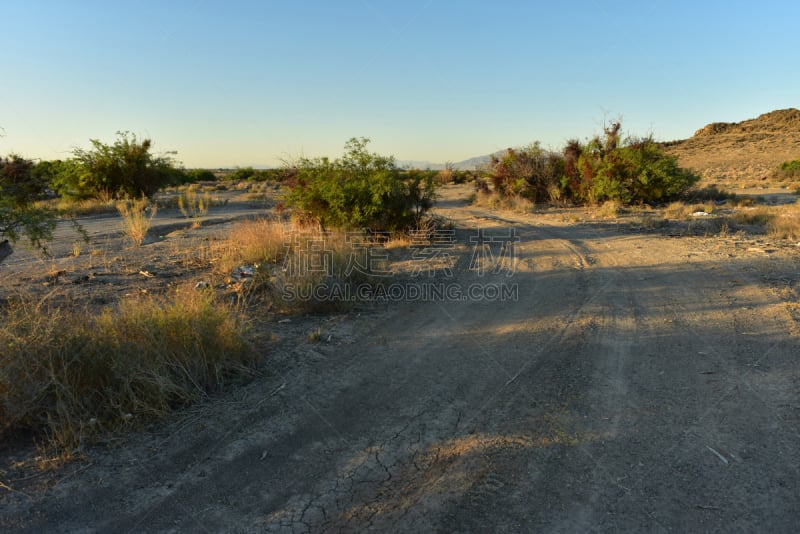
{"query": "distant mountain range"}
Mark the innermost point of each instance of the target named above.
(465, 165)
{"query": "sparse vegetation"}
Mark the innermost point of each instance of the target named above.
(72, 372)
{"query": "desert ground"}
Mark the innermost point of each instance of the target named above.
(638, 379)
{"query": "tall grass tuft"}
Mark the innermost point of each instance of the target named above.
(193, 205)
(70, 372)
(136, 220)
(255, 241)
(291, 259)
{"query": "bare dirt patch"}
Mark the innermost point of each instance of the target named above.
(638, 381)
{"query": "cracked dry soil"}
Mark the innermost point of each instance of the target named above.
(639, 383)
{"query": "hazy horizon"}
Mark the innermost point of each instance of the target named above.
(251, 83)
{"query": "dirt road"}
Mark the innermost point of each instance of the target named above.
(638, 382)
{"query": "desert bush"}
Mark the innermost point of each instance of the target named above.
(360, 190)
(137, 217)
(70, 372)
(604, 169)
(125, 169)
(446, 175)
(630, 170)
(531, 173)
(20, 215)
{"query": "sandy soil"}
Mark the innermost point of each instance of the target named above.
(638, 382)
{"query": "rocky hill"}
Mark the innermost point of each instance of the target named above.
(747, 150)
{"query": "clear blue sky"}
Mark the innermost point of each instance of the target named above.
(250, 82)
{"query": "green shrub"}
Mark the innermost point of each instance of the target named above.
(636, 172)
(125, 169)
(20, 187)
(630, 171)
(359, 190)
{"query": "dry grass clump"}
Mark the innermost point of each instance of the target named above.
(137, 217)
(320, 268)
(610, 209)
(77, 208)
(652, 221)
(295, 267)
(253, 242)
(786, 225)
(485, 197)
(757, 216)
(259, 191)
(193, 205)
(682, 211)
(495, 200)
(72, 372)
